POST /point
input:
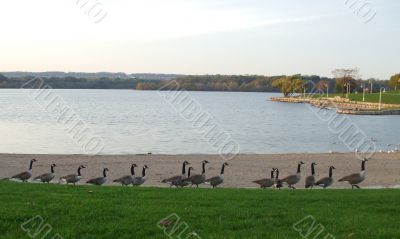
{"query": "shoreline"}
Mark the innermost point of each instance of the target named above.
(382, 170)
(343, 106)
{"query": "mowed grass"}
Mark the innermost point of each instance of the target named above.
(390, 97)
(122, 212)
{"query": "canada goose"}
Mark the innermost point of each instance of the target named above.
(327, 181)
(217, 180)
(199, 178)
(185, 182)
(128, 179)
(24, 176)
(355, 178)
(137, 181)
(266, 182)
(100, 180)
(47, 177)
(295, 178)
(310, 180)
(278, 182)
(174, 181)
(73, 178)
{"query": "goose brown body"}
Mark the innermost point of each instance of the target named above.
(310, 180)
(73, 178)
(217, 180)
(100, 180)
(355, 178)
(267, 182)
(24, 176)
(198, 179)
(47, 177)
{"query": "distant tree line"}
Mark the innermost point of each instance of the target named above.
(248, 83)
(245, 83)
(75, 83)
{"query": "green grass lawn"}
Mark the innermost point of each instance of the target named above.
(390, 97)
(122, 212)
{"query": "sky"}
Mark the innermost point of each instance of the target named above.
(264, 37)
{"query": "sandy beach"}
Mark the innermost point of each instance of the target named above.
(382, 170)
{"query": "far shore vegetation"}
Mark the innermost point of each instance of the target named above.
(346, 84)
(288, 85)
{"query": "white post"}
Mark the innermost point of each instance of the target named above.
(370, 91)
(363, 89)
(327, 90)
(380, 98)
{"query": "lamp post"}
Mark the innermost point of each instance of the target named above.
(398, 83)
(363, 89)
(327, 89)
(370, 91)
(380, 98)
(347, 85)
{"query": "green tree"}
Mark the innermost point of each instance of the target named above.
(394, 82)
(289, 85)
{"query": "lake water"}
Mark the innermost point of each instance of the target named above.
(133, 122)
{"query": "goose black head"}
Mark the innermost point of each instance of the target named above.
(82, 166)
(205, 161)
(332, 167)
(106, 169)
(301, 162)
(225, 164)
(33, 160)
(53, 165)
(365, 160)
(191, 168)
(134, 165)
(145, 166)
(186, 162)
(313, 163)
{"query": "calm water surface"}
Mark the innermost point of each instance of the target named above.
(134, 122)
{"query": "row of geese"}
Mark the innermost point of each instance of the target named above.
(186, 179)
(76, 177)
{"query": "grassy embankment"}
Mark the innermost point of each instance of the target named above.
(122, 212)
(390, 97)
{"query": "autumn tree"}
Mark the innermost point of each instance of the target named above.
(344, 77)
(394, 82)
(322, 85)
(289, 85)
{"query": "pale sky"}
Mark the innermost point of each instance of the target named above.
(201, 36)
